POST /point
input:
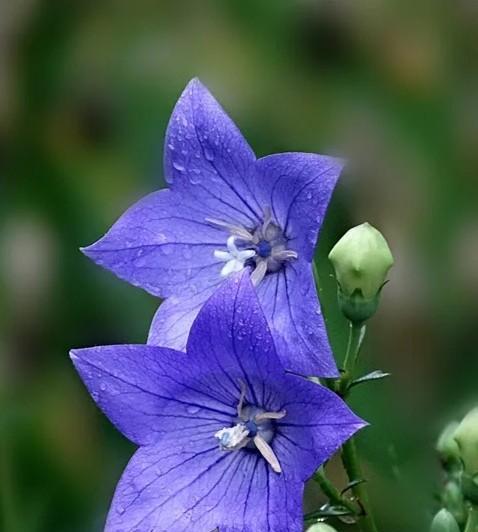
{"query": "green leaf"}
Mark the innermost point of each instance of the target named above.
(333, 510)
(352, 484)
(373, 376)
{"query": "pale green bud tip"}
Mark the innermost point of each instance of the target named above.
(444, 522)
(446, 445)
(466, 436)
(321, 527)
(361, 260)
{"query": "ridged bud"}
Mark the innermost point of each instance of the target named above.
(361, 259)
(321, 527)
(466, 436)
(444, 522)
(453, 500)
(446, 446)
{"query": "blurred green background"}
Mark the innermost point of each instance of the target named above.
(86, 89)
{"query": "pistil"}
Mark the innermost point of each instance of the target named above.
(253, 430)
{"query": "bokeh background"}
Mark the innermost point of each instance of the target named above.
(86, 89)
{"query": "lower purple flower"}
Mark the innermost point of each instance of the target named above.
(226, 438)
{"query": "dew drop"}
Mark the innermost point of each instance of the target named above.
(120, 510)
(179, 167)
(208, 154)
(195, 176)
(192, 409)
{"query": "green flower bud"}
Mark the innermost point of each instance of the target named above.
(446, 445)
(361, 259)
(444, 522)
(321, 527)
(466, 436)
(453, 500)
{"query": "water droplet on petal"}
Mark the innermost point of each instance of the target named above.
(208, 154)
(192, 409)
(179, 167)
(195, 176)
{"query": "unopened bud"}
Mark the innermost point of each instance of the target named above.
(466, 436)
(453, 500)
(446, 446)
(361, 259)
(321, 527)
(444, 522)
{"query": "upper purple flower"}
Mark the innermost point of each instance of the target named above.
(226, 210)
(227, 438)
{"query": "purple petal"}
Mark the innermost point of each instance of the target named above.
(177, 487)
(148, 392)
(317, 423)
(297, 187)
(174, 318)
(289, 299)
(207, 158)
(231, 333)
(162, 244)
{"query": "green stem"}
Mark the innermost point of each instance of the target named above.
(332, 492)
(315, 271)
(350, 456)
(356, 336)
(352, 465)
(472, 522)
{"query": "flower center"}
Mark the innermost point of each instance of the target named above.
(263, 247)
(254, 429)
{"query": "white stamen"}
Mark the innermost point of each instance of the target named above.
(269, 456)
(284, 254)
(235, 230)
(233, 438)
(270, 415)
(259, 272)
(234, 258)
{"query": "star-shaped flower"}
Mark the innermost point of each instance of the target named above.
(226, 210)
(226, 437)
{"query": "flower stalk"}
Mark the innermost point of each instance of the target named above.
(356, 336)
(333, 494)
(350, 457)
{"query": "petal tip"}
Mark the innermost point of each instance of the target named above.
(88, 250)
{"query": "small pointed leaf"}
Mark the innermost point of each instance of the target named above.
(352, 484)
(373, 376)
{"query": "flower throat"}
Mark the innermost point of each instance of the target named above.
(264, 248)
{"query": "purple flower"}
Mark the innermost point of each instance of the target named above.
(227, 438)
(226, 210)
